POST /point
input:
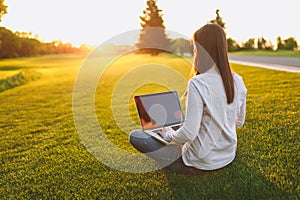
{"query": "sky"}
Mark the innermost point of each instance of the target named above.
(95, 21)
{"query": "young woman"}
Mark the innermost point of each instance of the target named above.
(215, 107)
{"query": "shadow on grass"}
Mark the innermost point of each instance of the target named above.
(236, 181)
(19, 79)
(11, 68)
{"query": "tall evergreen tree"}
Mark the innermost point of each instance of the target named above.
(249, 44)
(261, 43)
(152, 37)
(218, 20)
(280, 44)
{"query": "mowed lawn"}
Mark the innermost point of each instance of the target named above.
(278, 53)
(42, 156)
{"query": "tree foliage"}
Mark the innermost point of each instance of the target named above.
(261, 43)
(22, 44)
(218, 20)
(249, 44)
(290, 43)
(233, 45)
(287, 44)
(3, 9)
(152, 37)
(279, 43)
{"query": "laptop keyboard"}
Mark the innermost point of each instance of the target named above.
(173, 127)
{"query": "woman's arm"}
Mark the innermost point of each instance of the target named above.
(242, 109)
(241, 116)
(191, 126)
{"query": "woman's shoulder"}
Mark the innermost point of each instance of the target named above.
(239, 81)
(198, 79)
(237, 76)
(205, 81)
(205, 78)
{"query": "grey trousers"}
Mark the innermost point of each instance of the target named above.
(167, 156)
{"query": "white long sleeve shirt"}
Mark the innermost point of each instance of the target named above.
(208, 134)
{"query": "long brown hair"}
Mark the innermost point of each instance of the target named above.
(212, 39)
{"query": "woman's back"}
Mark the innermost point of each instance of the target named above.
(215, 144)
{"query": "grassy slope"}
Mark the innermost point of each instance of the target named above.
(21, 78)
(281, 53)
(42, 156)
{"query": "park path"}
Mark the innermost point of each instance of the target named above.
(276, 63)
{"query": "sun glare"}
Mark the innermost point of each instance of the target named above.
(94, 22)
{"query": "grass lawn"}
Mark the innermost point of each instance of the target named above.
(42, 156)
(279, 53)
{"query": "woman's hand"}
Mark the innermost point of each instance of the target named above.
(164, 130)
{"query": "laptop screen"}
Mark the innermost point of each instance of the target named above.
(159, 110)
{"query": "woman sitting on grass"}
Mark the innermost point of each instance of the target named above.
(215, 107)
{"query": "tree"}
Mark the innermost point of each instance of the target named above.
(279, 43)
(152, 37)
(261, 43)
(28, 47)
(287, 44)
(250, 44)
(290, 43)
(233, 45)
(10, 44)
(3, 9)
(218, 20)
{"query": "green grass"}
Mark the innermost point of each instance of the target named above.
(18, 79)
(279, 53)
(42, 156)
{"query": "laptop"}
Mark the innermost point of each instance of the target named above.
(158, 110)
